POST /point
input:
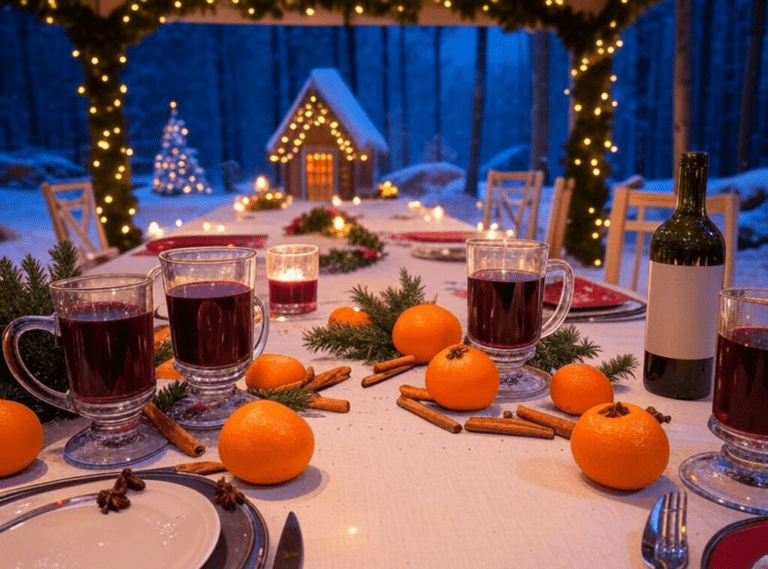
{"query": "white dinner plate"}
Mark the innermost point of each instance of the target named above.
(167, 526)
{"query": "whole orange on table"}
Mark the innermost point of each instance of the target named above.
(620, 445)
(462, 378)
(265, 442)
(349, 315)
(21, 437)
(576, 387)
(423, 330)
(269, 371)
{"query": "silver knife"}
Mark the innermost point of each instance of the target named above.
(290, 549)
(650, 534)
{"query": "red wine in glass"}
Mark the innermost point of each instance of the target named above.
(740, 399)
(211, 323)
(505, 307)
(109, 351)
(292, 296)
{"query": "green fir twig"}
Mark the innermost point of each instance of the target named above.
(168, 396)
(296, 399)
(163, 353)
(561, 348)
(619, 367)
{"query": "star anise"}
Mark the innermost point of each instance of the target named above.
(227, 496)
(115, 499)
(658, 415)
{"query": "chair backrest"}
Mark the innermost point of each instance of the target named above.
(726, 205)
(516, 194)
(558, 216)
(73, 213)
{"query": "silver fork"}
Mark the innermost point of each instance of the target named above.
(671, 550)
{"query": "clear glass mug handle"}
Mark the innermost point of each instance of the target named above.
(28, 381)
(555, 266)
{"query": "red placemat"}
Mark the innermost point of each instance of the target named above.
(738, 546)
(177, 242)
(433, 236)
(586, 294)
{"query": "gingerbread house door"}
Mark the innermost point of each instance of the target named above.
(320, 173)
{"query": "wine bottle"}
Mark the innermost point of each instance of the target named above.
(685, 275)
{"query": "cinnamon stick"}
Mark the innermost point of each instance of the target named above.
(328, 404)
(379, 377)
(379, 367)
(308, 376)
(172, 431)
(417, 393)
(561, 426)
(434, 417)
(328, 378)
(201, 467)
(502, 426)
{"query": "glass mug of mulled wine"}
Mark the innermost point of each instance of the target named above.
(105, 323)
(292, 272)
(737, 476)
(505, 307)
(212, 316)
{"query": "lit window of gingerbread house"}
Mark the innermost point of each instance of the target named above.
(326, 145)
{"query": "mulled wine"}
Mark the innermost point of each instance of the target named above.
(211, 323)
(740, 399)
(295, 297)
(505, 307)
(109, 351)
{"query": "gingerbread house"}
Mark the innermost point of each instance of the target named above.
(326, 145)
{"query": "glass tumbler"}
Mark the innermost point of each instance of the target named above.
(292, 272)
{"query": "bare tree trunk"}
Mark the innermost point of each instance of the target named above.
(681, 135)
(290, 63)
(704, 49)
(438, 91)
(478, 100)
(751, 82)
(405, 146)
(30, 89)
(352, 49)
(275, 40)
(540, 108)
(336, 48)
(221, 84)
(384, 162)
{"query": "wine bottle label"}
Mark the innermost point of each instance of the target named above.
(681, 322)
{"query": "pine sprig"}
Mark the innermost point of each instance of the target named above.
(373, 342)
(296, 399)
(163, 352)
(168, 396)
(561, 348)
(619, 367)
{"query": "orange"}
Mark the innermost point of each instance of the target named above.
(21, 437)
(574, 388)
(274, 370)
(462, 378)
(349, 315)
(620, 445)
(265, 442)
(423, 330)
(166, 370)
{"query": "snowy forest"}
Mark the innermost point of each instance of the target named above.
(414, 82)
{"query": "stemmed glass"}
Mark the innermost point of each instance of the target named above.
(737, 476)
(105, 325)
(211, 312)
(505, 302)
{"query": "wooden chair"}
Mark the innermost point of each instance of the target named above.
(558, 216)
(73, 207)
(517, 195)
(726, 205)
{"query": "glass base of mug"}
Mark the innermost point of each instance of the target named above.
(193, 412)
(735, 477)
(95, 449)
(276, 309)
(517, 380)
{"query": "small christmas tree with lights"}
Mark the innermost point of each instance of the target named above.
(176, 167)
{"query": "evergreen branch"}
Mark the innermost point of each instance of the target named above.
(345, 341)
(619, 367)
(169, 395)
(64, 257)
(296, 399)
(561, 348)
(163, 352)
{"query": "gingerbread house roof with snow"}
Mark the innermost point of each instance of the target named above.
(326, 145)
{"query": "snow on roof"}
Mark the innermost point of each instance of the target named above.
(329, 86)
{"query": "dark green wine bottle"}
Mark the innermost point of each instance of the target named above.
(685, 275)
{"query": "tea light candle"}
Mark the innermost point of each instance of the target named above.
(292, 273)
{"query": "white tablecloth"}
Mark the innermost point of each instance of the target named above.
(385, 489)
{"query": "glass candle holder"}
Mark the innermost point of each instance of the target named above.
(292, 272)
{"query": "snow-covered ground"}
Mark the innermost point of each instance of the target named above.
(24, 212)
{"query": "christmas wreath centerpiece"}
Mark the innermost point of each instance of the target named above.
(365, 247)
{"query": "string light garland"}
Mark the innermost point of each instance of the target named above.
(100, 43)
